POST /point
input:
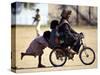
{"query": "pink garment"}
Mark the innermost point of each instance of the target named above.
(36, 46)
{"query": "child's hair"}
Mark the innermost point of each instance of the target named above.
(54, 23)
(37, 10)
(46, 35)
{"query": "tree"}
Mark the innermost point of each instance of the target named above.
(89, 14)
(77, 15)
(16, 7)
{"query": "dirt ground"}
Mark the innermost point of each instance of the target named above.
(25, 34)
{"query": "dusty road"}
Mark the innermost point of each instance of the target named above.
(24, 35)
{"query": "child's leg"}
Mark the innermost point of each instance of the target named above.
(37, 28)
(40, 64)
(23, 54)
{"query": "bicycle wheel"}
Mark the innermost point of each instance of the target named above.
(57, 57)
(87, 56)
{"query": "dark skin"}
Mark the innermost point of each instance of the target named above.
(40, 64)
(46, 36)
(67, 28)
(66, 16)
(30, 54)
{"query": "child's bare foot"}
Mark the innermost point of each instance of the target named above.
(40, 66)
(22, 55)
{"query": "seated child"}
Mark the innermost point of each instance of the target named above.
(56, 38)
(36, 47)
(53, 36)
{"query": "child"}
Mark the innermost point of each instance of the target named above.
(36, 47)
(37, 20)
(56, 38)
(37, 16)
(53, 36)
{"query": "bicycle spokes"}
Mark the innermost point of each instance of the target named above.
(87, 56)
(58, 57)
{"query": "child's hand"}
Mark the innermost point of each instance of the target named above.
(57, 40)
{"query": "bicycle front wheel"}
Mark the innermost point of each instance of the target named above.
(87, 56)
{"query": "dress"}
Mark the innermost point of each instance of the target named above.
(36, 46)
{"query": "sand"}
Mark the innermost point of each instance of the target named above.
(25, 34)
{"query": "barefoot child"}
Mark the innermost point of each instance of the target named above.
(36, 47)
(37, 20)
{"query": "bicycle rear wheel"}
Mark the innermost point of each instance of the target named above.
(58, 57)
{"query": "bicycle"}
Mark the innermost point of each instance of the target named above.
(59, 55)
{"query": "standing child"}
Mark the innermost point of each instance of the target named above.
(36, 47)
(37, 20)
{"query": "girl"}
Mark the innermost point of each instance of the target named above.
(36, 47)
(37, 21)
(53, 36)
